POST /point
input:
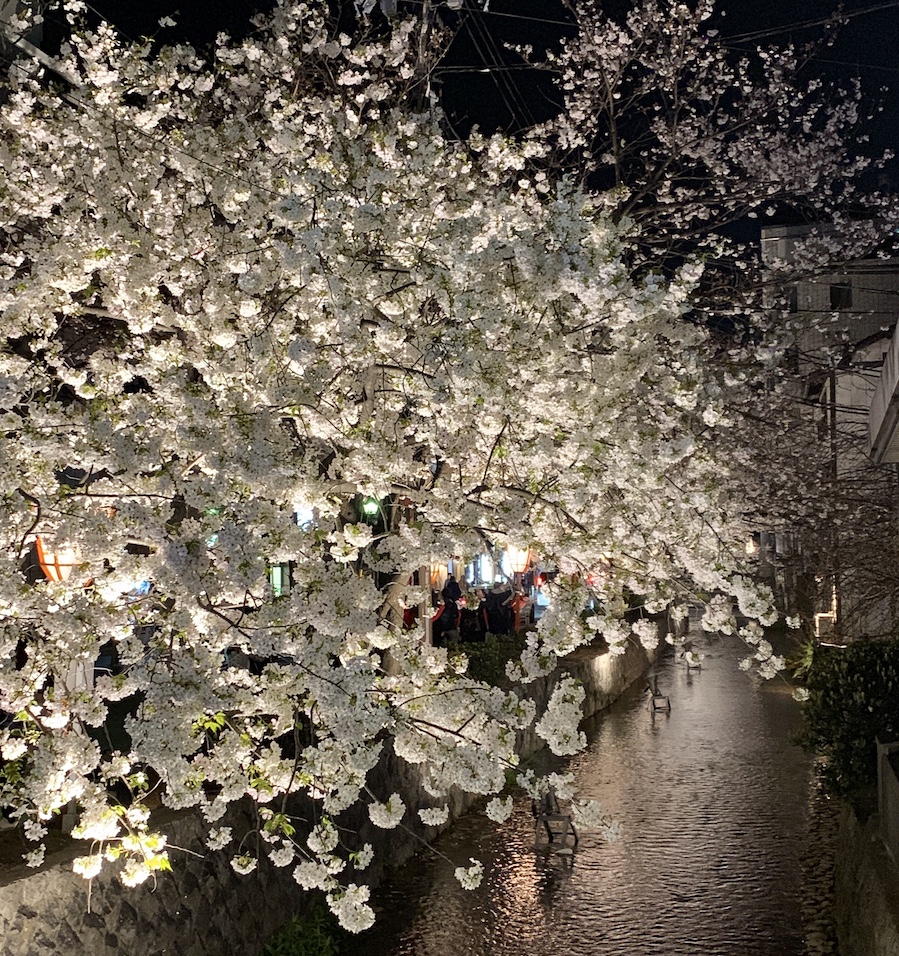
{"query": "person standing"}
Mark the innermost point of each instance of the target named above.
(499, 612)
(451, 590)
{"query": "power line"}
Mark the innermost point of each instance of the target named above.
(498, 68)
(523, 67)
(491, 65)
(510, 16)
(546, 68)
(818, 22)
(759, 34)
(490, 55)
(511, 95)
(856, 64)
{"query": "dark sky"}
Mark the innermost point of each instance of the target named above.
(511, 97)
(865, 47)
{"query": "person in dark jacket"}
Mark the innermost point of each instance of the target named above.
(498, 611)
(445, 624)
(451, 590)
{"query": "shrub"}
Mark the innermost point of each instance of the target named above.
(853, 697)
(487, 660)
(314, 934)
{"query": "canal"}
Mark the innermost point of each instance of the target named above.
(713, 801)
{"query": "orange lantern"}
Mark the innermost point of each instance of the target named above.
(56, 565)
(439, 572)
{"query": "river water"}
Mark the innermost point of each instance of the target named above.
(713, 801)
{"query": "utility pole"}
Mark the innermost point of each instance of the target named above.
(8, 10)
(834, 476)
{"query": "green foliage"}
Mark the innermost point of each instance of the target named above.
(314, 934)
(853, 697)
(487, 660)
(279, 823)
(801, 660)
(209, 724)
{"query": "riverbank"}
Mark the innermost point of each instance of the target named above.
(203, 908)
(867, 889)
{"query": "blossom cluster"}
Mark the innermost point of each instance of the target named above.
(242, 296)
(559, 725)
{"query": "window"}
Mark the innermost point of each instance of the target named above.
(279, 578)
(841, 296)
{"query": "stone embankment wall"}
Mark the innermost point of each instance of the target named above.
(867, 890)
(203, 908)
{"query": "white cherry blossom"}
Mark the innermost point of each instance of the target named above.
(275, 342)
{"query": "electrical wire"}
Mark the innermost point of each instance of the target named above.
(522, 67)
(511, 16)
(500, 68)
(754, 35)
(857, 65)
(486, 47)
(492, 65)
(818, 22)
(512, 97)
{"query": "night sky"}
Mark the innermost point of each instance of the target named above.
(512, 97)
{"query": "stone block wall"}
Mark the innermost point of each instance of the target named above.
(866, 891)
(203, 907)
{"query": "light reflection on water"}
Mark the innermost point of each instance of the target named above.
(712, 800)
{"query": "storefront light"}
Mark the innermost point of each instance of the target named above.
(481, 571)
(304, 514)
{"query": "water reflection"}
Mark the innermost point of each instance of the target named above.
(712, 799)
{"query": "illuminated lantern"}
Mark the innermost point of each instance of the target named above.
(519, 558)
(439, 571)
(56, 565)
(370, 509)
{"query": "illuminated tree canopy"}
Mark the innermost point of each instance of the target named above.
(241, 293)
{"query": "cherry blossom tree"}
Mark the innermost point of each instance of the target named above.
(241, 294)
(695, 135)
(691, 134)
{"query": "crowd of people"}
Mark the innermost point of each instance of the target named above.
(471, 614)
(461, 612)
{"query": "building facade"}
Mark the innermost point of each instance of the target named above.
(844, 325)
